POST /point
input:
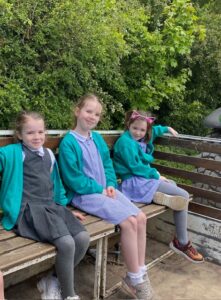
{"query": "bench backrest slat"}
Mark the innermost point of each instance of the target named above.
(189, 160)
(200, 146)
(177, 172)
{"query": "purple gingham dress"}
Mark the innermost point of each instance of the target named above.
(112, 210)
(139, 189)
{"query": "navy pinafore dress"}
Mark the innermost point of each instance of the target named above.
(40, 218)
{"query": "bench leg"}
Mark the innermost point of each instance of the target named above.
(104, 291)
(104, 268)
(98, 263)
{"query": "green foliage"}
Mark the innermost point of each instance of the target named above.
(205, 63)
(128, 52)
(153, 64)
(54, 51)
(155, 69)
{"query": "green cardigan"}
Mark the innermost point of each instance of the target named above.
(129, 159)
(11, 168)
(71, 166)
(157, 130)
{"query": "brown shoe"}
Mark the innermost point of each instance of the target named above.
(188, 251)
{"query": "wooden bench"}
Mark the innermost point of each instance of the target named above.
(199, 183)
(22, 258)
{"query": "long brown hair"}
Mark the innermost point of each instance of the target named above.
(81, 102)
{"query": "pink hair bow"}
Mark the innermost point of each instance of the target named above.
(135, 115)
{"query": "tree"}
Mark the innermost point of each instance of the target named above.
(154, 69)
(205, 84)
(128, 52)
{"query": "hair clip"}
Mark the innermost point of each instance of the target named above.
(135, 115)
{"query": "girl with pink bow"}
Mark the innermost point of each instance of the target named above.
(140, 182)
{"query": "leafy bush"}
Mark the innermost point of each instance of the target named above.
(53, 51)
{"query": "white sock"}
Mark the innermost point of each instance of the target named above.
(143, 270)
(135, 278)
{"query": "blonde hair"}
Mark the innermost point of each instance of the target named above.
(22, 118)
(143, 115)
(81, 102)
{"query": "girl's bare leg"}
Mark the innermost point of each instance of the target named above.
(128, 244)
(141, 238)
(1, 287)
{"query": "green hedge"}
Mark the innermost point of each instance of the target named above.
(129, 52)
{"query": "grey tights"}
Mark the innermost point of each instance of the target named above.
(180, 217)
(70, 251)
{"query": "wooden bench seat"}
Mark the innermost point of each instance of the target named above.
(22, 258)
(152, 210)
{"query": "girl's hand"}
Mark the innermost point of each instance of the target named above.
(111, 192)
(164, 178)
(173, 131)
(78, 215)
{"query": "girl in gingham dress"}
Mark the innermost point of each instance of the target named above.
(133, 155)
(90, 181)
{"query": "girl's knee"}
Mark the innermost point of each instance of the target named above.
(85, 237)
(141, 218)
(82, 239)
(129, 223)
(65, 244)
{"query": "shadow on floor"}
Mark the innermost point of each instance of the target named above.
(173, 279)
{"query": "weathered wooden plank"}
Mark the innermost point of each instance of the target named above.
(4, 234)
(14, 243)
(6, 140)
(110, 139)
(91, 219)
(18, 250)
(153, 210)
(140, 205)
(196, 177)
(204, 232)
(199, 192)
(199, 146)
(88, 218)
(205, 210)
(98, 228)
(185, 159)
(52, 142)
(25, 254)
(14, 277)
